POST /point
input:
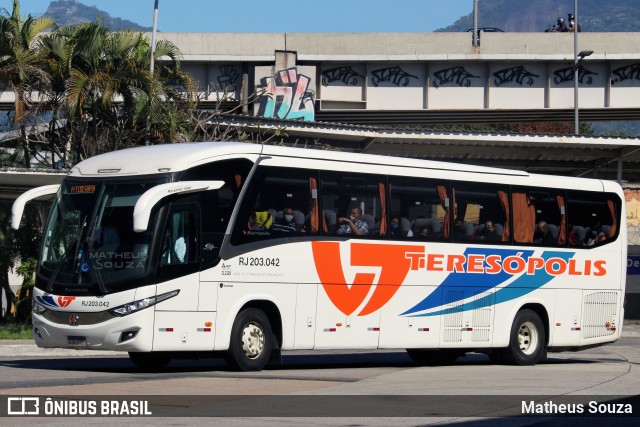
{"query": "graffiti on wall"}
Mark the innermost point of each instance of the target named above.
(287, 96)
(394, 75)
(344, 74)
(565, 75)
(228, 78)
(518, 75)
(454, 76)
(630, 72)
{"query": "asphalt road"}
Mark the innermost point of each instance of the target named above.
(333, 388)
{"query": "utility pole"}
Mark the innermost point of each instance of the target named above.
(576, 69)
(153, 37)
(476, 35)
(151, 67)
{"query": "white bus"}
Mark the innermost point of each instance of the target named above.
(235, 249)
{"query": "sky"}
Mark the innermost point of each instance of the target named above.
(273, 16)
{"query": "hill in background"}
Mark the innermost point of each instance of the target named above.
(509, 15)
(536, 16)
(70, 12)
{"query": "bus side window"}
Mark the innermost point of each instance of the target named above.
(540, 216)
(280, 203)
(486, 207)
(179, 238)
(594, 218)
(420, 203)
(218, 205)
(343, 193)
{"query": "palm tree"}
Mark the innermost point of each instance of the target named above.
(20, 66)
(108, 87)
(170, 110)
(57, 54)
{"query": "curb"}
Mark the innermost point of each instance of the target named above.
(31, 350)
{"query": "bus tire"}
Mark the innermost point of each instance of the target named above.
(251, 341)
(527, 340)
(150, 361)
(434, 357)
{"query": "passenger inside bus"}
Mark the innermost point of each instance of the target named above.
(488, 233)
(395, 232)
(285, 224)
(260, 221)
(424, 233)
(354, 224)
(595, 235)
(544, 236)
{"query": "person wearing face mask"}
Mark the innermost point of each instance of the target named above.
(286, 224)
(354, 224)
(394, 228)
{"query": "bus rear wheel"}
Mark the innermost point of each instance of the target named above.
(151, 361)
(434, 357)
(527, 340)
(251, 341)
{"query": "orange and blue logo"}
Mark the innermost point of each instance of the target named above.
(51, 301)
(392, 259)
(477, 270)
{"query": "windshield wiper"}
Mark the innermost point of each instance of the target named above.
(75, 243)
(76, 247)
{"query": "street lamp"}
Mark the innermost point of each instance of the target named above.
(577, 58)
(576, 78)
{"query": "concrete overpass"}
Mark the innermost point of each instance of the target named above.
(409, 78)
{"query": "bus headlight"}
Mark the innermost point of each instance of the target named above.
(141, 304)
(38, 308)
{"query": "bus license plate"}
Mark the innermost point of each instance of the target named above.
(77, 341)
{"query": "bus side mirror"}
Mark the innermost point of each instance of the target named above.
(151, 197)
(18, 206)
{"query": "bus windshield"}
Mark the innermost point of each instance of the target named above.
(89, 246)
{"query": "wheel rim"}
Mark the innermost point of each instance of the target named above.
(528, 338)
(252, 340)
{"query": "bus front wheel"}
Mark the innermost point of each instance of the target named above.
(151, 361)
(251, 341)
(527, 340)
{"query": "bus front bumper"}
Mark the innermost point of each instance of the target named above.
(128, 333)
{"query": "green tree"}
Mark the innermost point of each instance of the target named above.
(18, 249)
(57, 55)
(20, 65)
(101, 84)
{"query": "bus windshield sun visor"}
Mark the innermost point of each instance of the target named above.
(151, 197)
(18, 206)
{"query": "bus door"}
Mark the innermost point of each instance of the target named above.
(178, 324)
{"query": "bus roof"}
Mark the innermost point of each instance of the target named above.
(178, 157)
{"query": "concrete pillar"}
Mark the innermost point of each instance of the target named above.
(285, 59)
